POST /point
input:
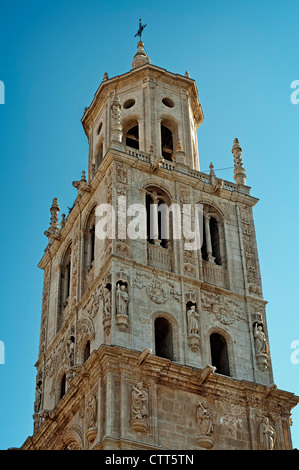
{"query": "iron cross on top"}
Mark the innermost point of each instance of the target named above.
(141, 28)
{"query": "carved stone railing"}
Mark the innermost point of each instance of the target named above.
(159, 257)
(200, 176)
(214, 274)
(171, 166)
(168, 165)
(145, 157)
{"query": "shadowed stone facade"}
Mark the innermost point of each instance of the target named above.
(145, 344)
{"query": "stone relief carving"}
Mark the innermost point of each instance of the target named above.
(139, 408)
(158, 288)
(232, 425)
(267, 435)
(121, 174)
(205, 425)
(91, 307)
(107, 309)
(46, 289)
(249, 252)
(75, 267)
(226, 310)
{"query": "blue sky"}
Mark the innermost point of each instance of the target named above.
(243, 56)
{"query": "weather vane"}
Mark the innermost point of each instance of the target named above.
(141, 28)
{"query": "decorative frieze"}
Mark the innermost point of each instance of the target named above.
(159, 289)
(227, 310)
(249, 252)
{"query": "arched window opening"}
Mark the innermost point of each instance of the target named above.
(99, 155)
(166, 143)
(65, 280)
(159, 218)
(132, 137)
(63, 386)
(86, 353)
(204, 253)
(219, 354)
(163, 338)
(213, 246)
(99, 128)
(89, 242)
(214, 231)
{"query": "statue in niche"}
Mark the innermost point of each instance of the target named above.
(267, 435)
(261, 346)
(107, 309)
(91, 411)
(122, 299)
(91, 418)
(205, 425)
(71, 351)
(107, 303)
(193, 327)
(139, 408)
(193, 321)
(38, 397)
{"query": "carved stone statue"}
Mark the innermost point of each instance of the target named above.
(261, 346)
(139, 408)
(122, 300)
(205, 425)
(267, 435)
(193, 321)
(193, 328)
(38, 397)
(91, 418)
(91, 411)
(71, 351)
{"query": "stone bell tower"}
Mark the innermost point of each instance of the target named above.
(146, 343)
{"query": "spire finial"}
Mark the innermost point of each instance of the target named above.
(240, 177)
(141, 28)
(140, 58)
(53, 230)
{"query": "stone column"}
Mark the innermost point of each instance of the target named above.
(116, 127)
(154, 222)
(208, 239)
(222, 245)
